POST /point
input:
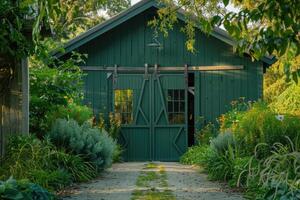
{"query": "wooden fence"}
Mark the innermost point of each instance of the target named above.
(14, 108)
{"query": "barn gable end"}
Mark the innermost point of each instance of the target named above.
(207, 93)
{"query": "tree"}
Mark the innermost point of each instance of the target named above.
(260, 27)
(24, 23)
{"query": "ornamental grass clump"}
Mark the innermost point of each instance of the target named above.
(41, 162)
(93, 144)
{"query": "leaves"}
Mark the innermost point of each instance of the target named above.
(255, 26)
(225, 2)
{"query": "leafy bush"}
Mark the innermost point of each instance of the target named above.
(22, 190)
(230, 119)
(280, 190)
(282, 166)
(204, 136)
(222, 142)
(40, 161)
(196, 155)
(220, 166)
(53, 180)
(51, 87)
(288, 101)
(79, 113)
(92, 143)
(79, 169)
(113, 125)
(260, 125)
(241, 169)
(117, 154)
(25, 153)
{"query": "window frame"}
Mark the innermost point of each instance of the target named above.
(176, 98)
(124, 112)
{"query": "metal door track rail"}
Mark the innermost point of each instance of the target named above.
(162, 69)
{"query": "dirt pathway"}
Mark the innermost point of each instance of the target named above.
(116, 183)
(122, 180)
(187, 183)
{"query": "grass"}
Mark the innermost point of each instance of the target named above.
(152, 184)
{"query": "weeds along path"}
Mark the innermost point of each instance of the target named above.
(152, 184)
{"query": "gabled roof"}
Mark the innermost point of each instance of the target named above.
(128, 14)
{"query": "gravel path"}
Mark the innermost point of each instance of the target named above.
(188, 184)
(118, 183)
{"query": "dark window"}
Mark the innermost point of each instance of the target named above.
(124, 106)
(176, 106)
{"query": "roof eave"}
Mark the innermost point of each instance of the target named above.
(129, 13)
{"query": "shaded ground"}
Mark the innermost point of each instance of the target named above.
(121, 181)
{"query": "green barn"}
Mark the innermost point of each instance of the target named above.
(157, 88)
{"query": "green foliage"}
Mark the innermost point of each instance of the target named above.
(255, 28)
(79, 169)
(25, 23)
(113, 125)
(51, 88)
(222, 142)
(204, 136)
(117, 154)
(196, 155)
(241, 171)
(260, 125)
(258, 156)
(22, 190)
(53, 180)
(14, 28)
(39, 161)
(282, 166)
(91, 143)
(79, 113)
(231, 118)
(279, 190)
(288, 101)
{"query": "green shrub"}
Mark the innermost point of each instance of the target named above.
(39, 161)
(92, 143)
(288, 101)
(53, 180)
(51, 87)
(282, 166)
(23, 190)
(79, 169)
(113, 125)
(79, 113)
(222, 142)
(241, 171)
(260, 125)
(25, 153)
(233, 116)
(117, 154)
(206, 134)
(280, 190)
(276, 176)
(196, 155)
(221, 166)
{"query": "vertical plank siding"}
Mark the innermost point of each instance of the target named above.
(127, 45)
(14, 105)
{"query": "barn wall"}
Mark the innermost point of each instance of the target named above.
(127, 45)
(14, 105)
